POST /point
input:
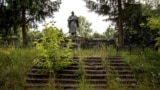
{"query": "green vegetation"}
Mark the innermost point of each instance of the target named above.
(84, 29)
(14, 64)
(139, 22)
(50, 50)
(146, 67)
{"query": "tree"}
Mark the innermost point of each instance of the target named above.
(97, 35)
(109, 33)
(112, 8)
(9, 20)
(33, 35)
(154, 24)
(152, 14)
(30, 11)
(84, 29)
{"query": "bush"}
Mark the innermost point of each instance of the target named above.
(50, 50)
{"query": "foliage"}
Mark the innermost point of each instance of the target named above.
(50, 49)
(113, 9)
(153, 23)
(146, 68)
(133, 33)
(24, 13)
(84, 29)
(152, 20)
(109, 33)
(97, 35)
(14, 64)
(34, 35)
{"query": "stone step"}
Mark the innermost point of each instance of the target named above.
(119, 67)
(97, 81)
(67, 81)
(96, 76)
(72, 68)
(116, 61)
(35, 86)
(67, 86)
(36, 75)
(36, 80)
(121, 72)
(92, 61)
(93, 64)
(124, 71)
(36, 70)
(95, 71)
(118, 64)
(65, 76)
(64, 71)
(93, 67)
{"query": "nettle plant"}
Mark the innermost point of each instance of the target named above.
(52, 54)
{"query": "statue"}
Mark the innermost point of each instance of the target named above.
(73, 24)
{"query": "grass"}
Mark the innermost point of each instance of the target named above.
(145, 65)
(96, 51)
(14, 64)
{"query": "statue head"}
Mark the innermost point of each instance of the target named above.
(72, 12)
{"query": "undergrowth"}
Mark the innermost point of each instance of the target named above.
(145, 65)
(14, 64)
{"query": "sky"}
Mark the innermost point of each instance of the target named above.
(78, 6)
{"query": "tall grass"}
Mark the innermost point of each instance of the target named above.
(14, 64)
(146, 66)
(96, 51)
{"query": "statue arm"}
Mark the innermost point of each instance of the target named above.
(69, 21)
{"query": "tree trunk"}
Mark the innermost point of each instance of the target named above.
(24, 32)
(120, 26)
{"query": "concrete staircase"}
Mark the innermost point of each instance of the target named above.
(67, 79)
(37, 78)
(95, 73)
(122, 72)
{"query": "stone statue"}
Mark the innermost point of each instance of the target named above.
(73, 24)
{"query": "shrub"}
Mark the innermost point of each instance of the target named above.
(50, 50)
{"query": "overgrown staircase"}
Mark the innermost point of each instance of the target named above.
(67, 78)
(122, 72)
(96, 75)
(37, 78)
